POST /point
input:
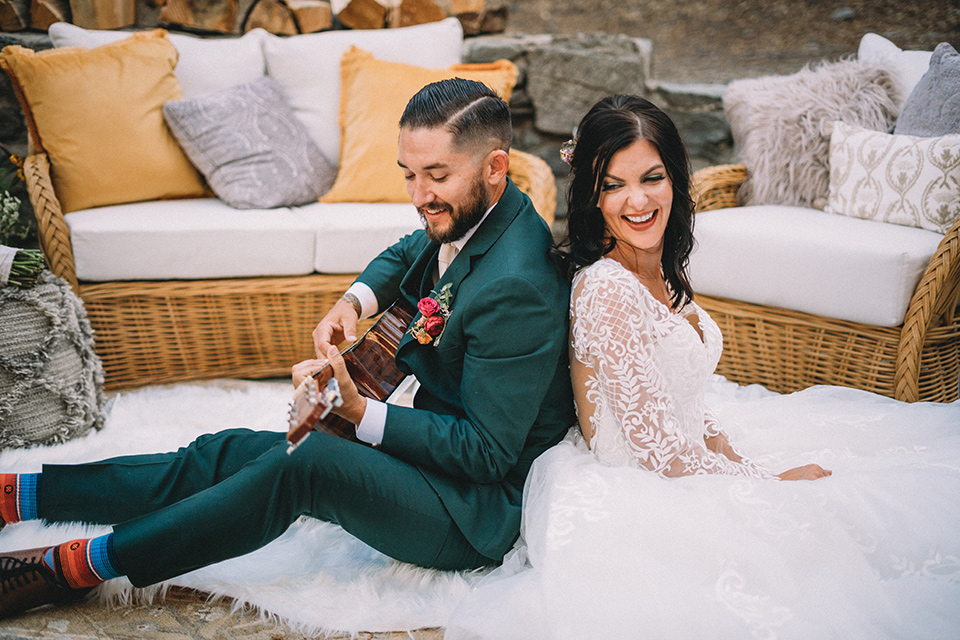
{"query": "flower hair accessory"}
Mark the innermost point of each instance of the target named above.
(566, 149)
(434, 312)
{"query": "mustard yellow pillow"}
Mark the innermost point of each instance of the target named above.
(98, 114)
(373, 95)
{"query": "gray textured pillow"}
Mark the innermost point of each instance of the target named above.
(249, 145)
(51, 381)
(933, 108)
(782, 125)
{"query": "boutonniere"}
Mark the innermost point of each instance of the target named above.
(434, 312)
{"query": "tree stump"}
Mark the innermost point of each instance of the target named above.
(363, 14)
(210, 15)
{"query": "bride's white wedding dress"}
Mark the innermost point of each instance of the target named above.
(649, 534)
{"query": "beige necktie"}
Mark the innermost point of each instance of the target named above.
(447, 253)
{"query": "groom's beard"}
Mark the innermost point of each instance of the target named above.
(463, 218)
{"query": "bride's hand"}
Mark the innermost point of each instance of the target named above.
(806, 472)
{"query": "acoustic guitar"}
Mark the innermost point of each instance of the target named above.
(370, 364)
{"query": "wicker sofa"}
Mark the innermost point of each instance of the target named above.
(178, 327)
(832, 254)
(787, 350)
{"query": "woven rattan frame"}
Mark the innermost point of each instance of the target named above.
(150, 332)
(789, 350)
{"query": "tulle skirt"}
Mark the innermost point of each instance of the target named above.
(871, 552)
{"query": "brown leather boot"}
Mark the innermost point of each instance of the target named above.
(26, 582)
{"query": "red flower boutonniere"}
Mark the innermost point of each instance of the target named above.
(434, 312)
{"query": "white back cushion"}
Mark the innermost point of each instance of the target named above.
(308, 67)
(905, 67)
(351, 234)
(812, 261)
(205, 65)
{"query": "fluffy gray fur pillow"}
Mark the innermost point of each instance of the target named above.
(933, 108)
(782, 125)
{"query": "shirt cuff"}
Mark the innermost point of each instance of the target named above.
(370, 429)
(367, 298)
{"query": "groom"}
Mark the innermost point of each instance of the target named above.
(442, 484)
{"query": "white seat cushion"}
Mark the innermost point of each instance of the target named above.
(308, 67)
(349, 235)
(188, 239)
(808, 260)
(205, 64)
(196, 239)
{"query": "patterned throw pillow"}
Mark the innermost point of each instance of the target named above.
(905, 180)
(250, 146)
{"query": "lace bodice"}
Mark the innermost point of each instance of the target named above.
(639, 371)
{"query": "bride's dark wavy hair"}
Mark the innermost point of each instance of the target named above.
(613, 124)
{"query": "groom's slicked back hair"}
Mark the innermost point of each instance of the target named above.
(476, 116)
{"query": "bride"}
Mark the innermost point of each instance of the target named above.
(646, 522)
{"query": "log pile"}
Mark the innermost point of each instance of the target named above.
(283, 17)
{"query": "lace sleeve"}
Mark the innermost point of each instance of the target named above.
(712, 430)
(614, 333)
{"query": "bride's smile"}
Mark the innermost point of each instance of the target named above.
(636, 197)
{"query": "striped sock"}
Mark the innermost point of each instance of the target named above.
(80, 564)
(18, 500)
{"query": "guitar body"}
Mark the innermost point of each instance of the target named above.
(370, 363)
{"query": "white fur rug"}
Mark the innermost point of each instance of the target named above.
(321, 580)
(315, 577)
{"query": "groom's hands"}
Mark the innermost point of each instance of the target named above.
(354, 405)
(339, 324)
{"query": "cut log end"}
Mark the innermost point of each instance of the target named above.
(413, 12)
(363, 14)
(210, 15)
(14, 15)
(44, 13)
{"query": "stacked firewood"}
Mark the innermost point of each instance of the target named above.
(284, 17)
(16, 15)
(477, 16)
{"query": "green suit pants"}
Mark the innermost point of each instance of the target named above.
(230, 493)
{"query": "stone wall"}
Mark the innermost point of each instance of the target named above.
(561, 76)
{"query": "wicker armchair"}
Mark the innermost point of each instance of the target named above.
(150, 332)
(787, 350)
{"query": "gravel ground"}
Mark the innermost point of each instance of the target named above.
(716, 41)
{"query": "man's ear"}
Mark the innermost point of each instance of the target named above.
(495, 166)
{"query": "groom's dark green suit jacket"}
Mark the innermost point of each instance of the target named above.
(495, 390)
